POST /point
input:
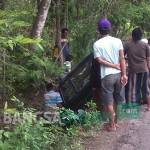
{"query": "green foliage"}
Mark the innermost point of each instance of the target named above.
(34, 134)
(125, 15)
(91, 116)
(68, 117)
(128, 16)
(31, 135)
(18, 103)
(86, 118)
(82, 43)
(26, 67)
(22, 67)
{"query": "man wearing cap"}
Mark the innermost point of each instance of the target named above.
(108, 51)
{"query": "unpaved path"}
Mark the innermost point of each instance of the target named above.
(132, 135)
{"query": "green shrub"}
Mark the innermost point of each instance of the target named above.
(33, 134)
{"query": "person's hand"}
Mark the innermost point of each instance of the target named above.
(124, 80)
(117, 66)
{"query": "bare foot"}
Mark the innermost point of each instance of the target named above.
(106, 125)
(117, 125)
(112, 128)
(148, 109)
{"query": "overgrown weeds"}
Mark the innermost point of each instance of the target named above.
(36, 134)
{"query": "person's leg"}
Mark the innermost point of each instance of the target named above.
(127, 93)
(111, 114)
(139, 78)
(131, 95)
(107, 89)
(116, 116)
(146, 89)
(119, 97)
(148, 103)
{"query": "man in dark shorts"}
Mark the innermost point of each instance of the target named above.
(138, 54)
(108, 51)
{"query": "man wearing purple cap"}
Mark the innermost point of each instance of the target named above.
(108, 51)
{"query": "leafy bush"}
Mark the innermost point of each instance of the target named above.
(33, 134)
(85, 118)
(68, 117)
(21, 66)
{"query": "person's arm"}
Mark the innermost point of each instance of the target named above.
(148, 63)
(148, 57)
(98, 57)
(124, 78)
(122, 62)
(108, 64)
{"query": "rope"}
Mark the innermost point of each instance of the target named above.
(4, 73)
(60, 52)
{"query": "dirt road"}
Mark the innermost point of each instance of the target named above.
(132, 135)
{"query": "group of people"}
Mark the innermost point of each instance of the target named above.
(124, 70)
(122, 67)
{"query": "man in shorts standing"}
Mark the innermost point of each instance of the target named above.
(108, 51)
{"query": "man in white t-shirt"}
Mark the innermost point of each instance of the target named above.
(108, 51)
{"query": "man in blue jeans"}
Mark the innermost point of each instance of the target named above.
(108, 51)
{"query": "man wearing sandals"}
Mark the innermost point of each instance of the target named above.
(108, 51)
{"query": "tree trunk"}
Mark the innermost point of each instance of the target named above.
(38, 4)
(2, 4)
(58, 30)
(77, 8)
(64, 14)
(43, 7)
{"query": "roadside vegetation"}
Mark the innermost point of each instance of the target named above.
(26, 63)
(24, 129)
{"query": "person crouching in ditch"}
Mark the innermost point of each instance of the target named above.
(52, 98)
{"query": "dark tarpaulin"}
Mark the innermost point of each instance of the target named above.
(76, 88)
